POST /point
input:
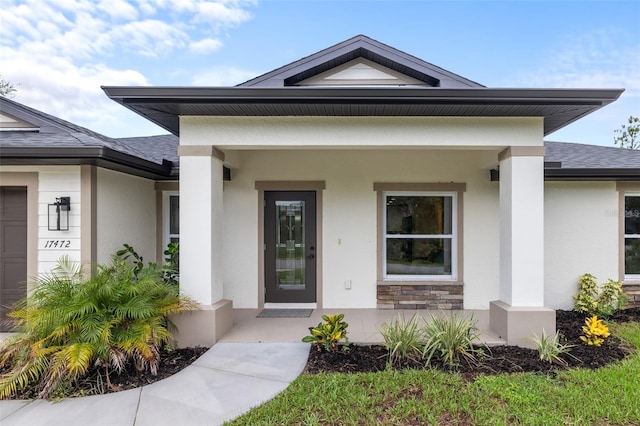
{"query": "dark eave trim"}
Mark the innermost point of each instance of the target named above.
(361, 52)
(265, 95)
(617, 174)
(99, 156)
(553, 174)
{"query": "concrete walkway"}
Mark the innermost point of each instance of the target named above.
(228, 380)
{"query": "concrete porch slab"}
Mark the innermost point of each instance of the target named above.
(363, 325)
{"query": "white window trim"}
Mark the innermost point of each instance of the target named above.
(453, 236)
(633, 277)
(166, 211)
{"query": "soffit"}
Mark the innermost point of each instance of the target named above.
(164, 105)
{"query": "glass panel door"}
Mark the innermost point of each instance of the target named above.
(290, 246)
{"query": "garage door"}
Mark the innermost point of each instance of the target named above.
(13, 249)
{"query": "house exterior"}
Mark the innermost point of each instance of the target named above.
(115, 194)
(357, 177)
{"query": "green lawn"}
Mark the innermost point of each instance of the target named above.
(608, 396)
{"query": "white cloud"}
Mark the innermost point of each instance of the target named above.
(59, 52)
(150, 37)
(205, 46)
(226, 13)
(68, 91)
(118, 9)
(592, 60)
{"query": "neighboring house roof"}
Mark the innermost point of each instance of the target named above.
(574, 161)
(434, 92)
(45, 139)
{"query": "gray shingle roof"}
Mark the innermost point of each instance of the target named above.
(579, 156)
(155, 148)
(56, 132)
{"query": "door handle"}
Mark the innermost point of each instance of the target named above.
(311, 256)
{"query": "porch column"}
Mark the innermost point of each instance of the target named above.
(201, 214)
(520, 311)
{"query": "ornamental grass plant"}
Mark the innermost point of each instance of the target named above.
(403, 339)
(549, 348)
(450, 339)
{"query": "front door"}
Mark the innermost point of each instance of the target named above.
(290, 246)
(13, 249)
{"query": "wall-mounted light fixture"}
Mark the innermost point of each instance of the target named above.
(59, 214)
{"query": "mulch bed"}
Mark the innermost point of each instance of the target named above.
(495, 360)
(360, 358)
(94, 383)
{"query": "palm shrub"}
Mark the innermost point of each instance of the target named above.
(73, 321)
(450, 339)
(403, 339)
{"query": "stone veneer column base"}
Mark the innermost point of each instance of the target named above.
(203, 327)
(516, 324)
(632, 290)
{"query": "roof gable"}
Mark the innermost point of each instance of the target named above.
(361, 72)
(24, 117)
(9, 122)
(355, 48)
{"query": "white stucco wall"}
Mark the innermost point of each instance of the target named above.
(126, 213)
(55, 182)
(349, 217)
(384, 132)
(581, 236)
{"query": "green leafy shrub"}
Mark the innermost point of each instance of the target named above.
(595, 331)
(128, 253)
(592, 300)
(75, 320)
(450, 339)
(327, 335)
(403, 339)
(550, 348)
(171, 267)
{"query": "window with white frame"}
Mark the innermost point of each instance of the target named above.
(632, 236)
(419, 240)
(171, 217)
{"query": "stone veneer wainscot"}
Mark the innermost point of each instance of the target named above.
(408, 295)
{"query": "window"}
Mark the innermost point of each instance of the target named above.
(419, 235)
(632, 236)
(171, 217)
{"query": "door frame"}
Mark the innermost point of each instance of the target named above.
(261, 187)
(273, 235)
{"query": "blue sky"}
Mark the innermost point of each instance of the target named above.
(59, 52)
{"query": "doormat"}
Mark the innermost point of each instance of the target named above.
(285, 313)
